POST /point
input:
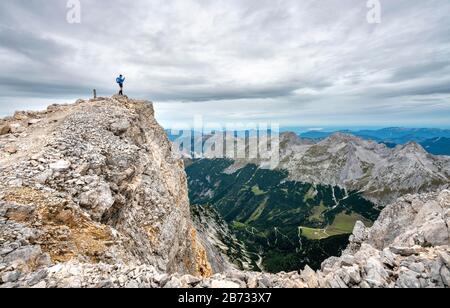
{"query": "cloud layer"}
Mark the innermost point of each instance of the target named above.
(299, 63)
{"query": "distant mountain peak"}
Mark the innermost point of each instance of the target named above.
(344, 137)
(294, 138)
(354, 163)
(413, 147)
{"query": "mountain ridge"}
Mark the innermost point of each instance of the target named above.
(397, 135)
(348, 161)
(95, 181)
(371, 167)
(92, 195)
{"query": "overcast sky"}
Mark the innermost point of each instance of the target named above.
(302, 63)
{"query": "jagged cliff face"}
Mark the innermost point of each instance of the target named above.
(95, 181)
(225, 251)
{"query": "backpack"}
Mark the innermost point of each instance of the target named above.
(118, 80)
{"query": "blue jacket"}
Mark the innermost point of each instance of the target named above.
(120, 80)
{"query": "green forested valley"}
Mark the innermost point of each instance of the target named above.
(284, 224)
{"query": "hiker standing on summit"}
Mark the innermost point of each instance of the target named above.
(120, 80)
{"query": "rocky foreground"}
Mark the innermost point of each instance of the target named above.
(91, 195)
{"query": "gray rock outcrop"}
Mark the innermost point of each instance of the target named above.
(94, 182)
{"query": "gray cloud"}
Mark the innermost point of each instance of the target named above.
(296, 62)
(31, 45)
(420, 70)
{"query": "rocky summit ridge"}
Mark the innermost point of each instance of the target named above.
(93, 182)
(91, 195)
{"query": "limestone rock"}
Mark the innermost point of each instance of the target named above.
(10, 276)
(405, 251)
(407, 247)
(222, 284)
(445, 275)
(105, 189)
(359, 232)
(4, 129)
(60, 165)
(376, 275)
(120, 126)
(11, 149)
(16, 128)
(445, 256)
(98, 200)
(44, 176)
(310, 277)
(408, 279)
(34, 121)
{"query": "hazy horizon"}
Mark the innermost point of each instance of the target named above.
(42, 104)
(296, 63)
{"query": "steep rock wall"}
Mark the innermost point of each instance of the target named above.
(95, 181)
